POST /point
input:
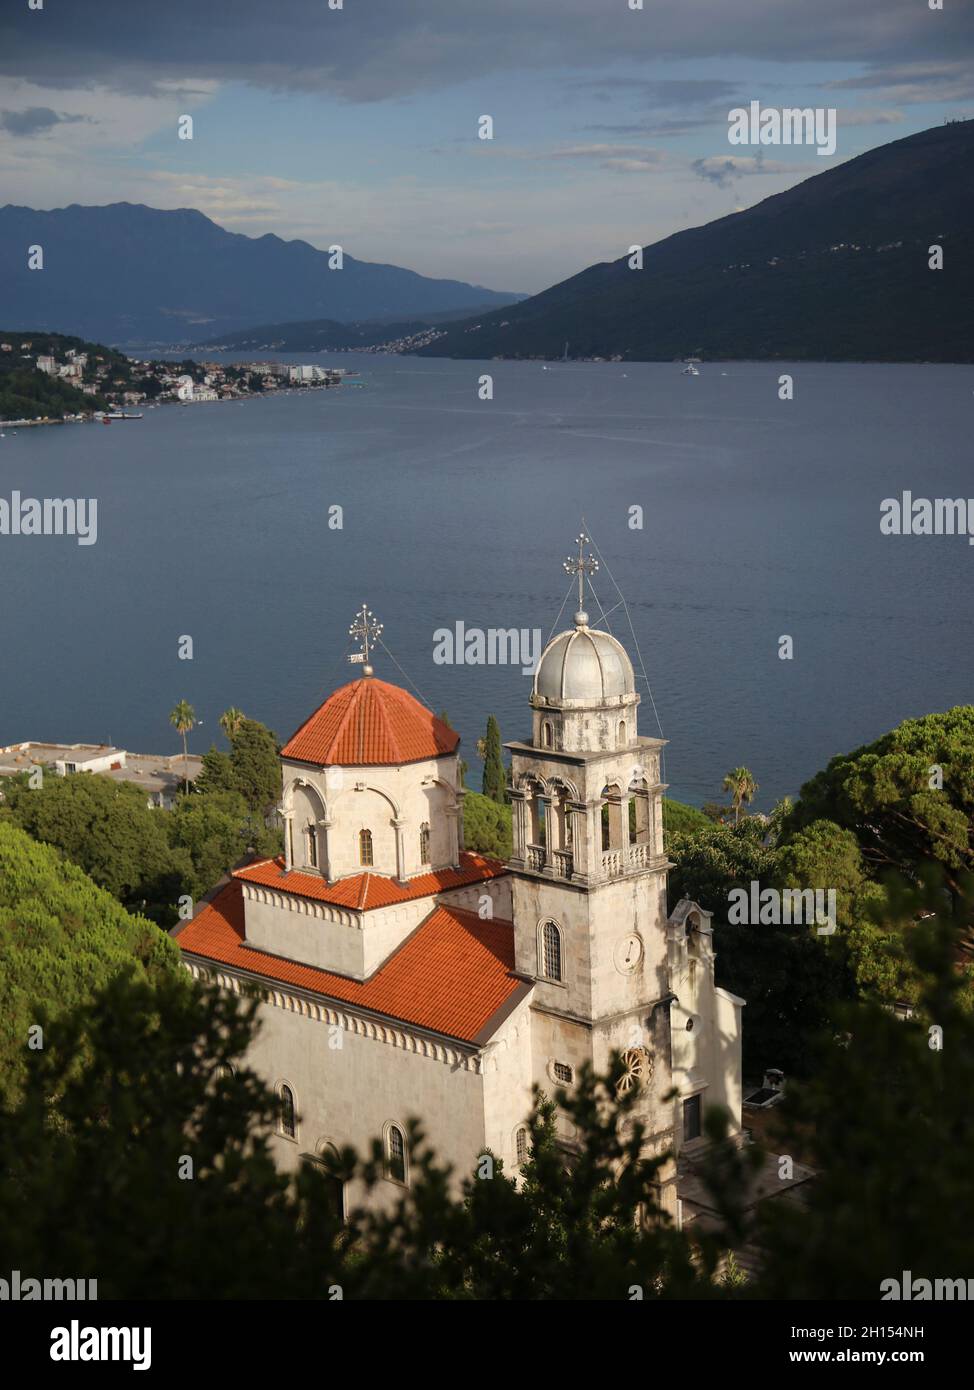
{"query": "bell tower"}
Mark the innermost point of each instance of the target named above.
(588, 867)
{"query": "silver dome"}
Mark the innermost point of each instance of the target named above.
(585, 665)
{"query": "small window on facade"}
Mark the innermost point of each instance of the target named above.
(287, 1112)
(622, 731)
(563, 1073)
(523, 1144)
(550, 951)
(365, 848)
(311, 845)
(424, 844)
(546, 734)
(396, 1153)
(691, 1118)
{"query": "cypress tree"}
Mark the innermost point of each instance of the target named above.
(495, 777)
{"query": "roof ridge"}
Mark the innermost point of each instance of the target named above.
(416, 984)
(396, 696)
(353, 688)
(457, 911)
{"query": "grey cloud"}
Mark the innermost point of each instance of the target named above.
(718, 171)
(631, 153)
(868, 115)
(665, 129)
(913, 82)
(661, 94)
(722, 170)
(372, 49)
(35, 119)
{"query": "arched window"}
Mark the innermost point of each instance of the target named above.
(550, 951)
(396, 1153)
(546, 734)
(424, 844)
(311, 845)
(327, 1158)
(523, 1145)
(287, 1112)
(365, 848)
(622, 731)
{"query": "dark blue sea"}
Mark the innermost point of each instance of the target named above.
(761, 519)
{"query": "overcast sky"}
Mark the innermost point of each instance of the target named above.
(359, 125)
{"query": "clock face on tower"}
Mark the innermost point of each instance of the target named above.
(628, 953)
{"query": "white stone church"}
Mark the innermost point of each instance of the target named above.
(405, 976)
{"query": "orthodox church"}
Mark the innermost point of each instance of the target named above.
(403, 975)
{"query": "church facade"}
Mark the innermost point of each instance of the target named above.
(403, 976)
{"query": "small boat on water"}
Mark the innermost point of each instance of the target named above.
(123, 415)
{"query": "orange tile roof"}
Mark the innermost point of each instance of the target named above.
(451, 976)
(369, 723)
(365, 892)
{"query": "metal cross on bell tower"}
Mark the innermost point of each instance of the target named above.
(366, 630)
(581, 565)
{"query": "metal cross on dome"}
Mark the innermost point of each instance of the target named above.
(582, 565)
(366, 630)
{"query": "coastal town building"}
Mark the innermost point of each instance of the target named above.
(402, 975)
(160, 776)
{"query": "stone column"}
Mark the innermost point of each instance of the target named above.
(518, 807)
(576, 819)
(324, 848)
(287, 817)
(461, 840)
(549, 835)
(453, 814)
(618, 822)
(399, 825)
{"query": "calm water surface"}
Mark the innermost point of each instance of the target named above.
(761, 518)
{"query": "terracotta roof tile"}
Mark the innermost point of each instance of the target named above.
(451, 976)
(370, 723)
(365, 892)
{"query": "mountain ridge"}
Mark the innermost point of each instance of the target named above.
(834, 268)
(128, 273)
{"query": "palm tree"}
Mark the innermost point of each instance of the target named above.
(182, 717)
(740, 782)
(230, 721)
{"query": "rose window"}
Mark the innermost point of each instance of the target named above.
(637, 1067)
